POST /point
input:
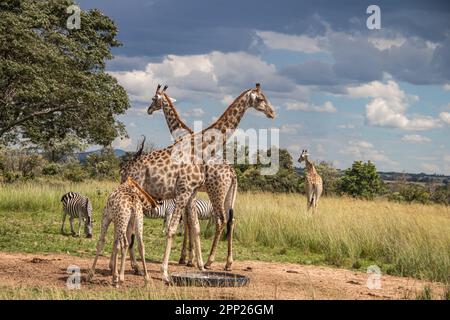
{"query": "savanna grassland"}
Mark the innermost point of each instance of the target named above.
(402, 239)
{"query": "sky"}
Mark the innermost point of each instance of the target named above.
(341, 90)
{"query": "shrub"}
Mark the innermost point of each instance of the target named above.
(74, 171)
(361, 181)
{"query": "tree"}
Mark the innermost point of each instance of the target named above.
(285, 180)
(330, 177)
(104, 164)
(53, 80)
(56, 150)
(361, 180)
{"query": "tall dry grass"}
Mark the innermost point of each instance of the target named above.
(405, 239)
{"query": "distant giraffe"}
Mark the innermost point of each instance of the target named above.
(175, 173)
(220, 179)
(313, 182)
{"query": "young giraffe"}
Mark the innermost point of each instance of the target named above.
(125, 209)
(313, 182)
(164, 176)
(220, 180)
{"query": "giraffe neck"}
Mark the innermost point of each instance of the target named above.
(230, 119)
(173, 119)
(310, 167)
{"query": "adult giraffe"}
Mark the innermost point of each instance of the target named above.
(164, 176)
(220, 180)
(313, 182)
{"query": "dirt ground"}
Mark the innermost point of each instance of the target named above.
(267, 280)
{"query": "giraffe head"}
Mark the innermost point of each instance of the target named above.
(256, 99)
(303, 156)
(159, 100)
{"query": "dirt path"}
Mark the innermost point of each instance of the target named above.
(267, 280)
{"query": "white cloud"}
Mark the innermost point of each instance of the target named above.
(415, 138)
(303, 106)
(386, 43)
(447, 87)
(430, 167)
(124, 144)
(299, 43)
(290, 128)
(445, 116)
(215, 75)
(364, 150)
(388, 106)
(194, 112)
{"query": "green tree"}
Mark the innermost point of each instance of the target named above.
(53, 80)
(285, 180)
(56, 150)
(104, 164)
(330, 177)
(361, 180)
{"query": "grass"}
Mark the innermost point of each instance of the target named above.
(402, 239)
(107, 293)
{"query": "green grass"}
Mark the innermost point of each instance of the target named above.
(402, 239)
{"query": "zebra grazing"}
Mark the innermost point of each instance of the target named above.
(76, 205)
(165, 210)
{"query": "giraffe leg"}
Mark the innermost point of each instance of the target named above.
(141, 245)
(195, 230)
(219, 215)
(230, 245)
(180, 203)
(100, 244)
(185, 240)
(190, 262)
(131, 236)
(123, 255)
(115, 273)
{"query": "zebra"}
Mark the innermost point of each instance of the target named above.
(165, 209)
(76, 205)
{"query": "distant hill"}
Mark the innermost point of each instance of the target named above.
(81, 156)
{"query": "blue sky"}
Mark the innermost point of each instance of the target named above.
(341, 90)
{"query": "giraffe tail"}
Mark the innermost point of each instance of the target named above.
(230, 221)
(311, 201)
(232, 200)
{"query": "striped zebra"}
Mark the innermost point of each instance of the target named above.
(164, 211)
(75, 205)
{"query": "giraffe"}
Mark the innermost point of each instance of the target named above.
(125, 209)
(313, 182)
(164, 176)
(220, 179)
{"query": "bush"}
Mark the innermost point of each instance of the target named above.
(330, 177)
(20, 163)
(74, 171)
(285, 180)
(103, 165)
(361, 181)
(441, 195)
(52, 169)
